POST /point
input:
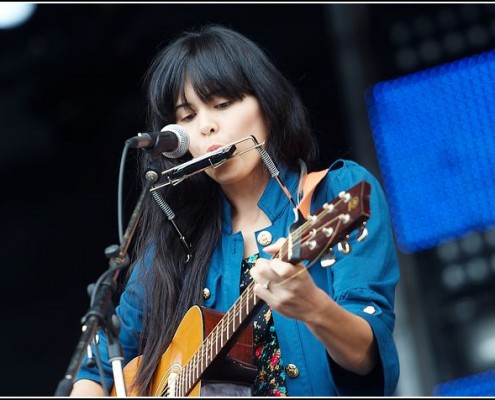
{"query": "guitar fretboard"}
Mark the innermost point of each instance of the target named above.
(218, 338)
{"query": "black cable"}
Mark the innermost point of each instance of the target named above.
(119, 220)
(119, 194)
(100, 370)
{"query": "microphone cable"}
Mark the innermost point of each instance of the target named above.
(119, 192)
(120, 222)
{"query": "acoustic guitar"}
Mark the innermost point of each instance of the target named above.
(210, 346)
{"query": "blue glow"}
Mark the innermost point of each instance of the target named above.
(482, 384)
(434, 134)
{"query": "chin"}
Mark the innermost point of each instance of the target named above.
(227, 176)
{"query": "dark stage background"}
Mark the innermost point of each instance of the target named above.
(71, 94)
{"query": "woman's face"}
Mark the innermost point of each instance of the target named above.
(219, 122)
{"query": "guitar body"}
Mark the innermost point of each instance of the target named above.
(197, 323)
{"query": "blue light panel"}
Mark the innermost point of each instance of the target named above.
(482, 384)
(434, 134)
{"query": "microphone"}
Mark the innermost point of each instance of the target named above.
(172, 141)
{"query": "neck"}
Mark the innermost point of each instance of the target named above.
(247, 217)
(244, 196)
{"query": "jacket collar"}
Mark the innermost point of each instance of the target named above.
(273, 201)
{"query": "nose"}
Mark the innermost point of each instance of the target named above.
(208, 125)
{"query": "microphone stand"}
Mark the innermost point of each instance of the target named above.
(101, 314)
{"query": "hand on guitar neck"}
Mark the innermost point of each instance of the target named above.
(289, 289)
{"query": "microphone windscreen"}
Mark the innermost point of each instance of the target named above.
(183, 141)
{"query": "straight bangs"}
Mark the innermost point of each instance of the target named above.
(221, 76)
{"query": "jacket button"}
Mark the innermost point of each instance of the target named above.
(369, 310)
(264, 238)
(206, 293)
(292, 371)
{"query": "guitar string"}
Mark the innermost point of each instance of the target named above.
(305, 268)
(250, 289)
(244, 299)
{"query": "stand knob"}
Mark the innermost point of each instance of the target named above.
(112, 251)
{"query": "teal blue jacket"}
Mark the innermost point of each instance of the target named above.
(363, 282)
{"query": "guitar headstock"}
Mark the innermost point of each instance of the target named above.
(330, 225)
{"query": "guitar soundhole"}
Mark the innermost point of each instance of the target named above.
(167, 385)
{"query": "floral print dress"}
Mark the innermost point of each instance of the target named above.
(270, 380)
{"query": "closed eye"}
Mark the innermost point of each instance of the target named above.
(188, 117)
(224, 104)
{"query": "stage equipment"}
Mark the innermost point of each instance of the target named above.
(434, 133)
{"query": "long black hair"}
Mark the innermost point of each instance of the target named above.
(216, 60)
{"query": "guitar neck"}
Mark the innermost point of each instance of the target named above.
(220, 339)
(224, 334)
(308, 240)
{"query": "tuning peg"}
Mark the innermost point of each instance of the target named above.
(345, 196)
(328, 259)
(344, 246)
(362, 232)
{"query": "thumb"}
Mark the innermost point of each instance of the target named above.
(275, 247)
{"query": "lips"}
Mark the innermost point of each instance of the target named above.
(213, 147)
